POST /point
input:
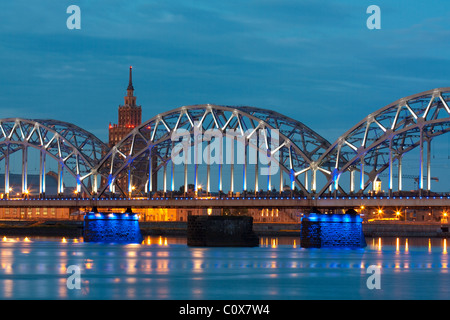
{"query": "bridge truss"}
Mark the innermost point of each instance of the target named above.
(384, 137)
(288, 146)
(188, 148)
(75, 150)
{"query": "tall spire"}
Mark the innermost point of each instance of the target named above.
(130, 99)
(130, 83)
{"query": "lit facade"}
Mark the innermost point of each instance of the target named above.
(36, 214)
(129, 117)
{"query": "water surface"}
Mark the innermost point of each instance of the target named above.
(166, 268)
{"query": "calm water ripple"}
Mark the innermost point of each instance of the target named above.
(166, 268)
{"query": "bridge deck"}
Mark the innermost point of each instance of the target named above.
(250, 202)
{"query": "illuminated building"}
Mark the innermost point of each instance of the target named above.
(130, 116)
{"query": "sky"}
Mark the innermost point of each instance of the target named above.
(315, 61)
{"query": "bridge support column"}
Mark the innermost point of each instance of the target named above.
(257, 169)
(361, 180)
(429, 165)
(314, 181)
(231, 150)
(244, 173)
(421, 163)
(400, 169)
(232, 179)
(61, 180)
(291, 172)
(220, 167)
(281, 180)
(352, 181)
(208, 169)
(150, 173)
(165, 178)
(78, 191)
(24, 171)
(390, 168)
(78, 185)
(185, 179)
(281, 172)
(7, 187)
(172, 177)
(94, 184)
(130, 182)
(42, 174)
(195, 166)
(306, 180)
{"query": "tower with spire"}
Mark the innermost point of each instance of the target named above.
(130, 115)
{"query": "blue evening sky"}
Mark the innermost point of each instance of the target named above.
(315, 61)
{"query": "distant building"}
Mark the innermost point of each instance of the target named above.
(15, 184)
(130, 116)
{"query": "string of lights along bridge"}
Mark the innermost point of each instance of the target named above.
(217, 153)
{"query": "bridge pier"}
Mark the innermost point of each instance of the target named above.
(221, 231)
(111, 227)
(332, 231)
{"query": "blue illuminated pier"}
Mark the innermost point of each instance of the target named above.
(112, 228)
(332, 230)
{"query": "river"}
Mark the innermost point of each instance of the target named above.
(166, 268)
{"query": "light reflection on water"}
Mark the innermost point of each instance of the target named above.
(166, 268)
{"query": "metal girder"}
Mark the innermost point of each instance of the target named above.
(75, 150)
(298, 146)
(385, 135)
(370, 147)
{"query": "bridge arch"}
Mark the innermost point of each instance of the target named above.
(290, 145)
(76, 151)
(383, 137)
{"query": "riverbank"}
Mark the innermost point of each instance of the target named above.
(406, 229)
(373, 229)
(48, 228)
(176, 228)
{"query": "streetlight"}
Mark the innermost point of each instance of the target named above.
(199, 190)
(380, 213)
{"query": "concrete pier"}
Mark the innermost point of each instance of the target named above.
(332, 230)
(111, 228)
(221, 231)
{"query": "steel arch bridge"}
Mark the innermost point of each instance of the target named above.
(266, 150)
(384, 137)
(76, 151)
(286, 144)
